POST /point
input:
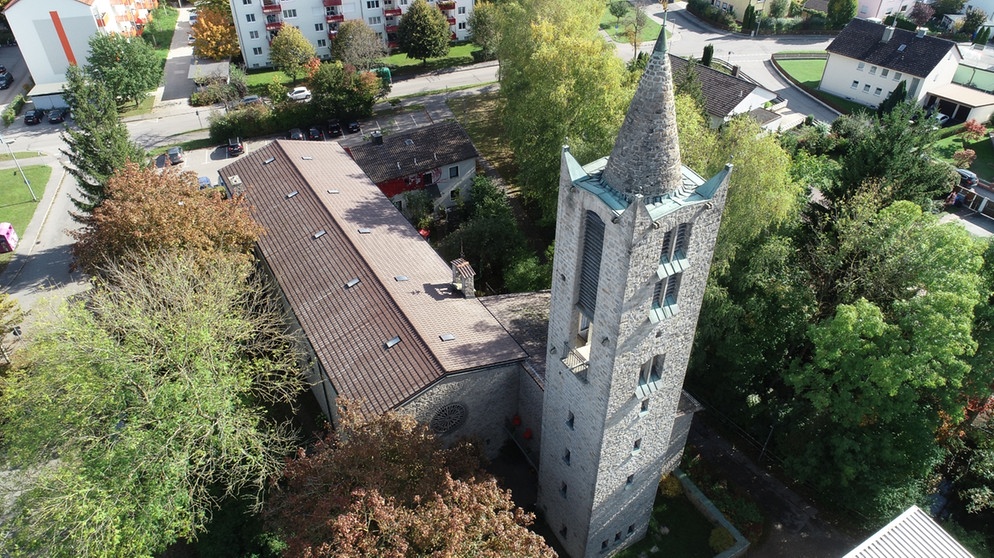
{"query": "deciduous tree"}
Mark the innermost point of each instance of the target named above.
(357, 45)
(343, 91)
(147, 210)
(560, 83)
(141, 407)
(128, 67)
(921, 13)
(99, 144)
(214, 34)
(841, 12)
(423, 32)
(619, 9)
(973, 130)
(943, 7)
(972, 21)
(385, 486)
(484, 28)
(290, 52)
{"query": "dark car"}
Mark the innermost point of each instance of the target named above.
(235, 147)
(295, 134)
(314, 134)
(334, 128)
(175, 155)
(3, 69)
(354, 127)
(6, 80)
(57, 115)
(967, 179)
(34, 116)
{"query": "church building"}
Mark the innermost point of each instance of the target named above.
(598, 407)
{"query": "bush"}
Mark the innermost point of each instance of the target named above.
(13, 109)
(670, 487)
(720, 540)
(964, 158)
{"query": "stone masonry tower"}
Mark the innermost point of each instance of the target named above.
(634, 239)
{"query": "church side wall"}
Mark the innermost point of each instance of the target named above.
(489, 397)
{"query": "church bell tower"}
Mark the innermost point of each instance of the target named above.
(634, 238)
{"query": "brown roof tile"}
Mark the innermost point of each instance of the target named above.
(348, 327)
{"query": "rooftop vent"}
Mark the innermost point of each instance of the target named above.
(364, 231)
(391, 342)
(920, 32)
(888, 34)
(400, 278)
(447, 337)
(235, 180)
(292, 194)
(269, 160)
(319, 234)
(333, 191)
(352, 282)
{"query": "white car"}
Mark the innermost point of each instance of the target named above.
(299, 94)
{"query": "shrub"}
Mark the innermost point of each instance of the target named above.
(964, 158)
(720, 540)
(13, 109)
(670, 486)
(973, 130)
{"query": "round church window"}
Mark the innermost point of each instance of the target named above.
(448, 418)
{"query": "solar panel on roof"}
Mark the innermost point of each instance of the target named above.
(391, 342)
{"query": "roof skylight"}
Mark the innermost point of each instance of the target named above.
(391, 342)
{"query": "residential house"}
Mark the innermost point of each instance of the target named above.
(728, 95)
(258, 21)
(738, 7)
(913, 533)
(867, 60)
(880, 9)
(439, 159)
(54, 34)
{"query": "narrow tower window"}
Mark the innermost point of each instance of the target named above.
(590, 267)
(570, 419)
(650, 377)
(563, 489)
(566, 457)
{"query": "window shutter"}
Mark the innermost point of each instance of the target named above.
(593, 241)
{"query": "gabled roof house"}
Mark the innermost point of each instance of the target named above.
(439, 159)
(913, 534)
(728, 95)
(867, 60)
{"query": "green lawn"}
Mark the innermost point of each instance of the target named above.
(165, 26)
(688, 536)
(16, 206)
(610, 24)
(5, 156)
(808, 73)
(983, 165)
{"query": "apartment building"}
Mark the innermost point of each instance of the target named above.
(258, 21)
(56, 33)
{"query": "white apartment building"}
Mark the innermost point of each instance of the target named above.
(258, 21)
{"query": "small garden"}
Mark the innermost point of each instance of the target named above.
(806, 73)
(677, 528)
(16, 205)
(968, 146)
(620, 21)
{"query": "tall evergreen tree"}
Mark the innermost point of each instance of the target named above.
(99, 144)
(708, 55)
(423, 32)
(898, 95)
(841, 12)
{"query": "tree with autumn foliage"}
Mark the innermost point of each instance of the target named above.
(214, 34)
(385, 486)
(973, 130)
(150, 210)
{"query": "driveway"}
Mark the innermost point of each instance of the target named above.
(177, 85)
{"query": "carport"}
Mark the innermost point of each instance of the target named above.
(961, 103)
(48, 96)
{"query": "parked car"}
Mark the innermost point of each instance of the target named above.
(6, 80)
(204, 182)
(235, 146)
(189, 39)
(334, 128)
(34, 116)
(354, 127)
(57, 115)
(295, 134)
(967, 179)
(3, 69)
(175, 155)
(940, 118)
(251, 100)
(299, 94)
(314, 134)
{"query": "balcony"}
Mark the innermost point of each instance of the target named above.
(273, 25)
(452, 20)
(392, 12)
(334, 18)
(271, 7)
(391, 28)
(329, 3)
(577, 362)
(446, 5)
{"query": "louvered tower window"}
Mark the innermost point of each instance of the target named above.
(590, 268)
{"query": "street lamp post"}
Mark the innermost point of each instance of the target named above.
(24, 176)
